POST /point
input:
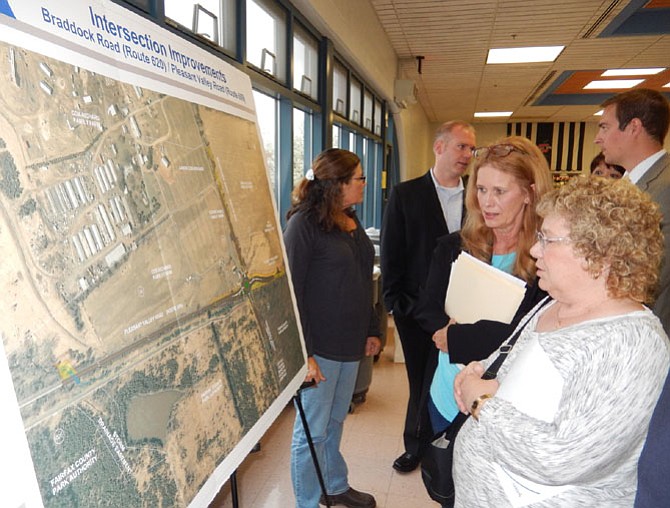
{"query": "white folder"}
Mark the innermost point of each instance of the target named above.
(479, 291)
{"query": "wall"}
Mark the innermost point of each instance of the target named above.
(415, 142)
(488, 133)
(355, 30)
(358, 35)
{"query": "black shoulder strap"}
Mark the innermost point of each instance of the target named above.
(492, 371)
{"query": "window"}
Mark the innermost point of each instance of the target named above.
(373, 196)
(302, 143)
(367, 110)
(266, 112)
(289, 108)
(371, 153)
(377, 129)
(351, 144)
(355, 97)
(337, 136)
(140, 4)
(305, 63)
(266, 37)
(213, 20)
(339, 89)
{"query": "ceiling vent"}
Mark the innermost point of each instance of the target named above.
(592, 29)
(533, 95)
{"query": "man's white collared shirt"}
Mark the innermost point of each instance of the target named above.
(451, 200)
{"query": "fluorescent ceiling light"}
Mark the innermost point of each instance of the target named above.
(613, 83)
(492, 114)
(524, 55)
(599, 113)
(633, 72)
(667, 85)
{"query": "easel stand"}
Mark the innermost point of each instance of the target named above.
(233, 489)
(233, 477)
(308, 435)
(234, 495)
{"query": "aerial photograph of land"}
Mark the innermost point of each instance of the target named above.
(147, 316)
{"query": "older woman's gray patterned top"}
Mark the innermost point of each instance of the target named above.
(613, 371)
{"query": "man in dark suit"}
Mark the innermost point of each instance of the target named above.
(631, 133)
(418, 212)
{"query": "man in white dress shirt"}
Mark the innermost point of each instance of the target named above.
(631, 133)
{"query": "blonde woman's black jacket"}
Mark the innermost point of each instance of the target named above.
(466, 342)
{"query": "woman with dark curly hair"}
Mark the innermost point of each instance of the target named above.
(331, 260)
(565, 420)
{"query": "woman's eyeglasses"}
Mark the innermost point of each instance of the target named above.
(544, 240)
(361, 178)
(497, 150)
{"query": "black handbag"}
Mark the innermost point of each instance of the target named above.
(437, 461)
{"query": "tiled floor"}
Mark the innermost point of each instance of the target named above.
(372, 440)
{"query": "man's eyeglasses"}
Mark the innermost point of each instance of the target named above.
(544, 240)
(361, 178)
(497, 150)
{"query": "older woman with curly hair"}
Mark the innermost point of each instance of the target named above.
(565, 420)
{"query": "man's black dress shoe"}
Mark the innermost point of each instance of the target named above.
(351, 498)
(406, 463)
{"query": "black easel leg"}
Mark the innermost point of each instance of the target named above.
(312, 450)
(233, 489)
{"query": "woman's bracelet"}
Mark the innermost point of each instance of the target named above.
(477, 404)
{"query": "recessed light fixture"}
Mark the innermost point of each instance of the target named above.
(599, 113)
(492, 114)
(613, 83)
(633, 72)
(524, 55)
(667, 85)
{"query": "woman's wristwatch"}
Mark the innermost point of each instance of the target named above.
(477, 404)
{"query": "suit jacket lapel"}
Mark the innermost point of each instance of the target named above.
(465, 186)
(654, 171)
(434, 206)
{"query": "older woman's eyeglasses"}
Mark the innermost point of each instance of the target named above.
(544, 240)
(361, 178)
(497, 150)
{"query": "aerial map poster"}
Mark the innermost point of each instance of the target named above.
(149, 332)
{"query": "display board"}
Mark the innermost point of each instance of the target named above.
(149, 332)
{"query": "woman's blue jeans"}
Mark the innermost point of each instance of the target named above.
(326, 406)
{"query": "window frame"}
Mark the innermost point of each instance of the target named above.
(367, 141)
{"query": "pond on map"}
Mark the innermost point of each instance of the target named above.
(148, 414)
